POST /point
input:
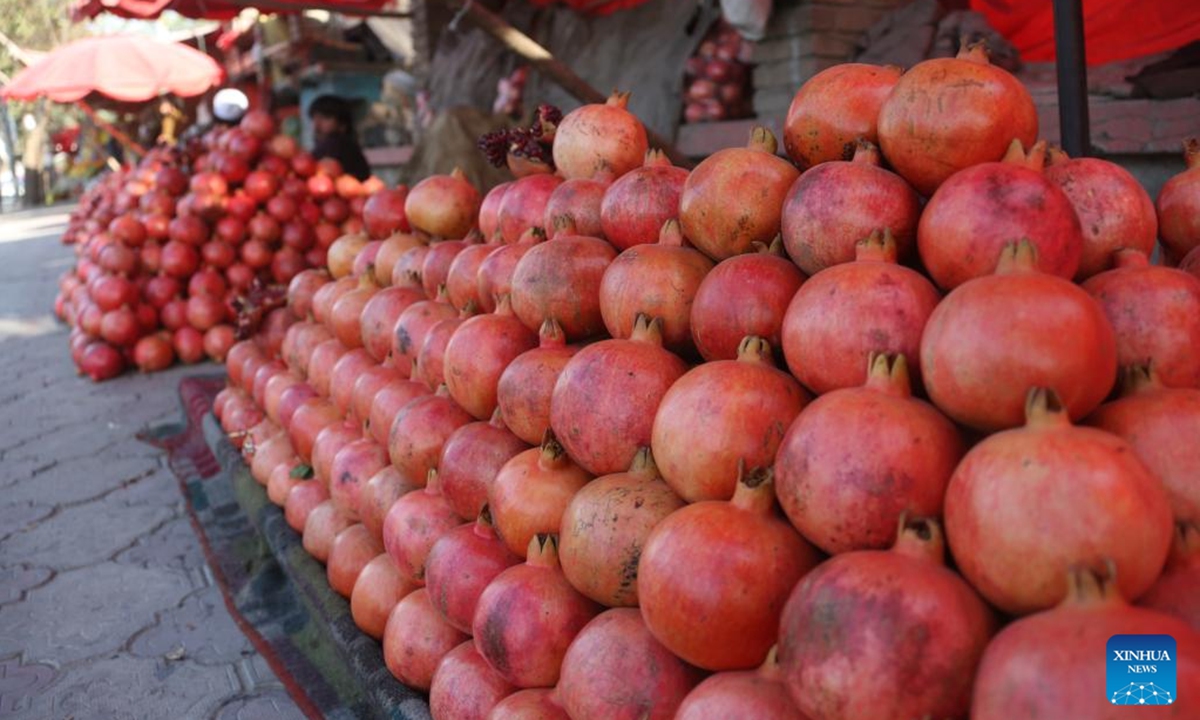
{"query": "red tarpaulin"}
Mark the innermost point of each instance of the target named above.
(123, 67)
(213, 9)
(1113, 29)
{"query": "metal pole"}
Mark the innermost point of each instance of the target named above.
(1071, 59)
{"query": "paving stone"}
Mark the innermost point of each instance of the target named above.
(80, 479)
(87, 612)
(17, 517)
(269, 705)
(174, 545)
(16, 581)
(21, 684)
(200, 628)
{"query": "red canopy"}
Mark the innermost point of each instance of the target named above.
(213, 9)
(123, 67)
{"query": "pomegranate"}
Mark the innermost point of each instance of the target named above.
(460, 565)
(350, 552)
(581, 199)
(326, 447)
(189, 345)
(489, 210)
(531, 491)
(270, 453)
(604, 401)
(342, 253)
(704, 593)
(635, 207)
(907, 595)
(110, 292)
(153, 353)
(1114, 209)
(946, 114)
(744, 406)
(327, 295)
(346, 314)
(343, 379)
(524, 205)
(616, 670)
(320, 366)
(407, 270)
(758, 693)
(462, 280)
(379, 494)
(834, 109)
(496, 271)
(379, 588)
(1191, 263)
(383, 213)
(444, 206)
(1155, 313)
(390, 252)
(843, 314)
(978, 210)
(364, 261)
(307, 421)
(600, 137)
(605, 527)
(465, 686)
(524, 390)
(412, 326)
(435, 270)
(414, 523)
(478, 352)
(120, 327)
(188, 230)
(323, 524)
(659, 280)
(389, 400)
(817, 229)
(305, 338)
(977, 363)
(734, 197)
(353, 465)
(470, 460)
(217, 341)
(236, 360)
(842, 484)
(179, 260)
(301, 501)
(290, 400)
(1085, 483)
(416, 639)
(528, 615)
(530, 704)
(1151, 418)
(370, 381)
(429, 366)
(1178, 206)
(1059, 648)
(1175, 592)
(562, 280)
(420, 430)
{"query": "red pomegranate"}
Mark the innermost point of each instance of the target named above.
(1060, 647)
(906, 594)
(327, 295)
(416, 639)
(420, 430)
(1178, 206)
(842, 315)
(478, 352)
(561, 280)
(489, 210)
(844, 485)
(237, 357)
(379, 588)
(285, 477)
(326, 447)
(462, 279)
(377, 322)
(1155, 313)
(364, 261)
(616, 670)
(189, 345)
(637, 204)
(465, 686)
(527, 617)
(412, 326)
(659, 280)
(353, 465)
(1114, 210)
(302, 499)
(1152, 418)
(524, 390)
(342, 379)
(305, 338)
(978, 210)
(346, 314)
(1177, 591)
(407, 270)
(744, 406)
(414, 523)
(444, 206)
(390, 252)
(946, 114)
(460, 565)
(386, 405)
(369, 382)
(342, 253)
(817, 229)
(531, 491)
(604, 401)
(758, 693)
(436, 269)
(605, 527)
(1191, 263)
(307, 421)
(379, 494)
(690, 568)
(524, 205)
(734, 197)
(350, 552)
(581, 200)
(429, 367)
(496, 271)
(530, 704)
(980, 356)
(1085, 483)
(834, 109)
(320, 366)
(383, 213)
(153, 353)
(322, 525)
(600, 137)
(470, 460)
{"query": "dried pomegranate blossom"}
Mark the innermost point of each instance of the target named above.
(532, 143)
(253, 307)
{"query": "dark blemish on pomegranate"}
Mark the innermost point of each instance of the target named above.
(491, 640)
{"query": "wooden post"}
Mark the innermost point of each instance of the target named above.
(113, 130)
(541, 59)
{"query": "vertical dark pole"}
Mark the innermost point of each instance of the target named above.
(1072, 77)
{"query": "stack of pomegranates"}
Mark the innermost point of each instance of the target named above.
(717, 78)
(165, 249)
(899, 427)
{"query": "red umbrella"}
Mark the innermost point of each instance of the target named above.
(123, 67)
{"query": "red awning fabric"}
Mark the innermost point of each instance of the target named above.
(212, 9)
(1113, 29)
(122, 67)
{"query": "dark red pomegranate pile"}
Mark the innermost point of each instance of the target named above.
(755, 440)
(717, 83)
(170, 252)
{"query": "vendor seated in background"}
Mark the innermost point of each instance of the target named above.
(334, 136)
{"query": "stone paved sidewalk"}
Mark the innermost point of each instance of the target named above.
(108, 610)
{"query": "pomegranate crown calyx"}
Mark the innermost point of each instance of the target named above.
(775, 247)
(1044, 408)
(763, 140)
(866, 152)
(647, 329)
(671, 234)
(973, 50)
(553, 453)
(619, 99)
(755, 489)
(1191, 152)
(1018, 257)
(1033, 159)
(879, 246)
(920, 537)
(889, 373)
(755, 349)
(643, 463)
(551, 334)
(1087, 584)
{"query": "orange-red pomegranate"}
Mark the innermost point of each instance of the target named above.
(524, 390)
(470, 460)
(1178, 206)
(756, 693)
(460, 565)
(445, 206)
(478, 353)
(635, 207)
(1177, 591)
(600, 138)
(414, 523)
(379, 588)
(561, 280)
(416, 639)
(531, 491)
(834, 109)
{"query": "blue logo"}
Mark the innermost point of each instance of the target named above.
(1141, 670)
